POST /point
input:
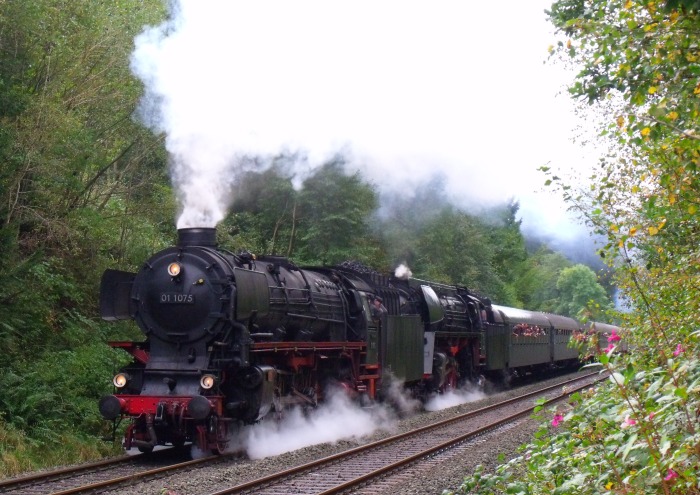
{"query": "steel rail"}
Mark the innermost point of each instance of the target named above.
(132, 477)
(361, 480)
(33, 482)
(11, 483)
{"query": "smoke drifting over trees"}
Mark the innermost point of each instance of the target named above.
(400, 90)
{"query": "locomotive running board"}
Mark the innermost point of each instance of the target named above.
(305, 346)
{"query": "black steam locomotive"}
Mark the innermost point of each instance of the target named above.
(231, 338)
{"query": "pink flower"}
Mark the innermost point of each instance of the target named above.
(628, 422)
(558, 418)
(651, 415)
(614, 337)
(609, 349)
(679, 350)
(671, 474)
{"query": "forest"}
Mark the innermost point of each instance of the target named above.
(84, 187)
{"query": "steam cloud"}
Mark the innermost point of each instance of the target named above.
(405, 88)
(403, 272)
(339, 418)
(335, 420)
(454, 398)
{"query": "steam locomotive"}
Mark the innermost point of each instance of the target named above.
(231, 339)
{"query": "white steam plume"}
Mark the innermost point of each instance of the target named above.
(337, 419)
(398, 397)
(454, 398)
(410, 88)
(403, 272)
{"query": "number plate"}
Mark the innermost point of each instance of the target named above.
(175, 298)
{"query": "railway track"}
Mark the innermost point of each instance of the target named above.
(101, 475)
(365, 468)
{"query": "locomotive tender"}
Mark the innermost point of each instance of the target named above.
(231, 338)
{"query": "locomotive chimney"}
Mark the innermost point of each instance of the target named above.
(198, 236)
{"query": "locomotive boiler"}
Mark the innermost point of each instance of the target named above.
(233, 338)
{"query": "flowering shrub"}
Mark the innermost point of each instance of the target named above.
(558, 418)
(637, 433)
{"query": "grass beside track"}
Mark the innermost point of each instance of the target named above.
(20, 453)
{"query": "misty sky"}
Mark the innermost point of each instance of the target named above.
(406, 88)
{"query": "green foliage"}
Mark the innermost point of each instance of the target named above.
(52, 353)
(335, 210)
(403, 216)
(19, 452)
(55, 368)
(327, 221)
(69, 141)
(77, 170)
(538, 281)
(455, 248)
(672, 5)
(509, 255)
(266, 209)
(580, 294)
(484, 251)
(638, 433)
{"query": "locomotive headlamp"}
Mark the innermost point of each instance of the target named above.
(121, 379)
(174, 269)
(207, 381)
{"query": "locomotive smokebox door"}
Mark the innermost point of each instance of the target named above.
(115, 295)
